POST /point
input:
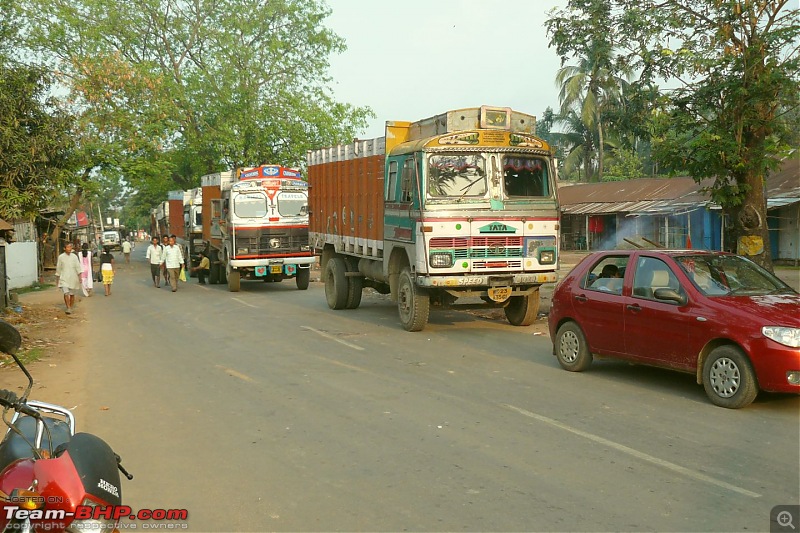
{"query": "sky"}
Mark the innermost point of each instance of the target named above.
(413, 59)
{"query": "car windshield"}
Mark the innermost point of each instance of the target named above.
(725, 275)
(456, 175)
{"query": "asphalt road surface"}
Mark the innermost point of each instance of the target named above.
(263, 410)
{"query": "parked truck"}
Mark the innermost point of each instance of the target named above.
(255, 226)
(459, 205)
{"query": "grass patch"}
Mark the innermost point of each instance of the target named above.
(35, 287)
(26, 356)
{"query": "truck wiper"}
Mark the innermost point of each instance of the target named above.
(468, 186)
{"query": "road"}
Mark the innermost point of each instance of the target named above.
(264, 410)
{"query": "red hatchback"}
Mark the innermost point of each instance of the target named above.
(717, 315)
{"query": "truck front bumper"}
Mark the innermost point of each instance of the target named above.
(249, 263)
(470, 281)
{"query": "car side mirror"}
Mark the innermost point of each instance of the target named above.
(670, 295)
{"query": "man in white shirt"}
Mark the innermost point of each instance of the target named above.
(126, 250)
(172, 258)
(154, 253)
(68, 272)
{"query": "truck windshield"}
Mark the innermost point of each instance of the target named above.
(250, 205)
(292, 204)
(525, 176)
(456, 175)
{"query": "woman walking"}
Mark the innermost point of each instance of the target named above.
(107, 269)
(87, 282)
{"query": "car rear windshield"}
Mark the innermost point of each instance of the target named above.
(725, 275)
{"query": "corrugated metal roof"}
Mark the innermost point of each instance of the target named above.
(666, 196)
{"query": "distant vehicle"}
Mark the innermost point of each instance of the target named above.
(111, 238)
(717, 315)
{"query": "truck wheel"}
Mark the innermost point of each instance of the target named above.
(213, 273)
(303, 277)
(234, 279)
(188, 259)
(522, 310)
(413, 303)
(223, 274)
(355, 285)
(336, 289)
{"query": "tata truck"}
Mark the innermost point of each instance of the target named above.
(255, 226)
(457, 209)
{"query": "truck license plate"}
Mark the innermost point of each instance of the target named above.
(275, 269)
(500, 294)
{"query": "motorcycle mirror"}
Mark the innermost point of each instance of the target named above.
(10, 341)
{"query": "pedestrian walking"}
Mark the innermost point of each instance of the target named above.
(202, 269)
(87, 277)
(68, 272)
(164, 244)
(172, 259)
(107, 269)
(126, 250)
(154, 252)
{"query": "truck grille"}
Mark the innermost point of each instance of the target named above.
(272, 242)
(481, 248)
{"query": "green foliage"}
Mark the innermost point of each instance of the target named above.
(35, 143)
(169, 90)
(625, 165)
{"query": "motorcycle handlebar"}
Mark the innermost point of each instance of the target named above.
(9, 400)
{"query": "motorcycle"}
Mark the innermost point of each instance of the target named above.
(51, 478)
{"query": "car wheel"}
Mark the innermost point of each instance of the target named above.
(572, 350)
(728, 378)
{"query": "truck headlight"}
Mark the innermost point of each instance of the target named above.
(441, 259)
(242, 251)
(782, 335)
(547, 256)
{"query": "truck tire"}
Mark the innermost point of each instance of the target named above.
(188, 259)
(234, 281)
(336, 289)
(213, 272)
(355, 285)
(522, 310)
(303, 277)
(413, 303)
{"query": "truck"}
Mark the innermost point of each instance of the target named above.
(192, 241)
(256, 226)
(111, 239)
(462, 205)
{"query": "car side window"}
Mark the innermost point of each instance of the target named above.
(606, 274)
(652, 274)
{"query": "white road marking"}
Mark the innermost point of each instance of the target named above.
(245, 303)
(331, 337)
(235, 374)
(635, 453)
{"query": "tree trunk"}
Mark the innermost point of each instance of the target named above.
(750, 224)
(74, 201)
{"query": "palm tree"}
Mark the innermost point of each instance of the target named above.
(590, 87)
(579, 143)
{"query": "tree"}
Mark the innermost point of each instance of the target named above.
(581, 31)
(36, 149)
(169, 90)
(735, 64)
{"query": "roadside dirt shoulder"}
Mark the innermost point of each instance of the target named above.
(55, 340)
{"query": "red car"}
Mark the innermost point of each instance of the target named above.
(714, 314)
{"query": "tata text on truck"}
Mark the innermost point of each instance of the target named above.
(258, 226)
(462, 204)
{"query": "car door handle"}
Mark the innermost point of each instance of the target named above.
(581, 298)
(633, 307)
